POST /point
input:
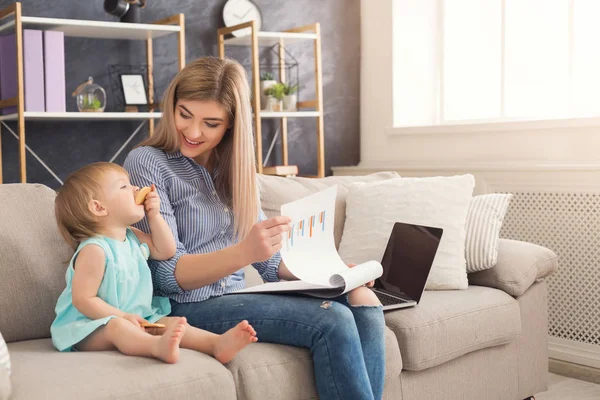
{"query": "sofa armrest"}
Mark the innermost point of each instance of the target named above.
(520, 265)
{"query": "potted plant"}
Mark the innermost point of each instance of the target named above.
(275, 96)
(289, 97)
(90, 97)
(266, 81)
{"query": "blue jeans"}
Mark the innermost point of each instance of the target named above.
(346, 342)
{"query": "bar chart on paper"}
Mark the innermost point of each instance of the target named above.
(306, 229)
(310, 255)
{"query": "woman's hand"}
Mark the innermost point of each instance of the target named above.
(152, 203)
(369, 284)
(135, 320)
(265, 238)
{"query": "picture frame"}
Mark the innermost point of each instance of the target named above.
(134, 89)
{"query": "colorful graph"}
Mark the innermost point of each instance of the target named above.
(306, 227)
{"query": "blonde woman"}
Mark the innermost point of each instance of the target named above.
(202, 161)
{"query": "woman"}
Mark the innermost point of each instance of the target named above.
(202, 161)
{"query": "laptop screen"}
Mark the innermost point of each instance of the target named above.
(408, 259)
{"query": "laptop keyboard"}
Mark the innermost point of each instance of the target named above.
(388, 300)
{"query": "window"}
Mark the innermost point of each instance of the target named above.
(458, 61)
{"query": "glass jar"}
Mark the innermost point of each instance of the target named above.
(90, 97)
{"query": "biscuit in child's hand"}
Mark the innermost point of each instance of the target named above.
(140, 197)
(149, 325)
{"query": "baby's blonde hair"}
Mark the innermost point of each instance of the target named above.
(71, 206)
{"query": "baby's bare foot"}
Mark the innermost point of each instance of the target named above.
(231, 342)
(167, 346)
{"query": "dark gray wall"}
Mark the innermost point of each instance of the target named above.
(66, 146)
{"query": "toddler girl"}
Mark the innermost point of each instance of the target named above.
(108, 301)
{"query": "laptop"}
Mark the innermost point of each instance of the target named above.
(406, 264)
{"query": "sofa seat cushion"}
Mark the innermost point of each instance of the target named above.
(448, 324)
(272, 371)
(41, 372)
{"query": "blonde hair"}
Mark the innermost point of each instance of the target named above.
(223, 81)
(71, 206)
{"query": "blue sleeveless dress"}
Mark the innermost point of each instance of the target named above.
(126, 285)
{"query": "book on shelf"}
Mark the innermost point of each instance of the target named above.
(54, 71)
(33, 70)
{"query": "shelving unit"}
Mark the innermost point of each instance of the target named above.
(254, 40)
(68, 116)
(11, 19)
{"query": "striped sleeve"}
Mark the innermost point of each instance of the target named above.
(268, 269)
(144, 170)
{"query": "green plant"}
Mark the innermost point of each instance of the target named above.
(267, 76)
(91, 102)
(277, 91)
(289, 89)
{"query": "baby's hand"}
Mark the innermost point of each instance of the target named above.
(135, 320)
(152, 203)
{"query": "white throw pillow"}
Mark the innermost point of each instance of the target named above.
(373, 208)
(5, 386)
(4, 357)
(484, 222)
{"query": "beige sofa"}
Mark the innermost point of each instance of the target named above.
(485, 342)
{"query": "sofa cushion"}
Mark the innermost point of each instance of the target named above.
(41, 372)
(4, 370)
(484, 222)
(520, 265)
(275, 191)
(448, 324)
(33, 263)
(5, 387)
(373, 209)
(271, 371)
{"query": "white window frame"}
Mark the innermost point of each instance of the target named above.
(503, 123)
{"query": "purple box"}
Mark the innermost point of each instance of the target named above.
(54, 68)
(33, 70)
(8, 70)
(33, 65)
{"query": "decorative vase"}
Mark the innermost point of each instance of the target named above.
(90, 97)
(273, 104)
(289, 102)
(264, 85)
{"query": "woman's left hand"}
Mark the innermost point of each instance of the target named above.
(369, 284)
(152, 203)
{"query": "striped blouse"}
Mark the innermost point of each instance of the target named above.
(200, 222)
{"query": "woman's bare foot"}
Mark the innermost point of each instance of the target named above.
(231, 342)
(167, 346)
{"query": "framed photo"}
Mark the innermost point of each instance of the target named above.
(134, 89)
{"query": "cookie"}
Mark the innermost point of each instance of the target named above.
(140, 197)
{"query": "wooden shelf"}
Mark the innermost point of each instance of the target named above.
(281, 170)
(82, 116)
(254, 38)
(290, 114)
(271, 38)
(95, 29)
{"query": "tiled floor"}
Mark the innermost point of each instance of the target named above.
(563, 388)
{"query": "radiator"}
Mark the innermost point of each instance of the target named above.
(569, 224)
